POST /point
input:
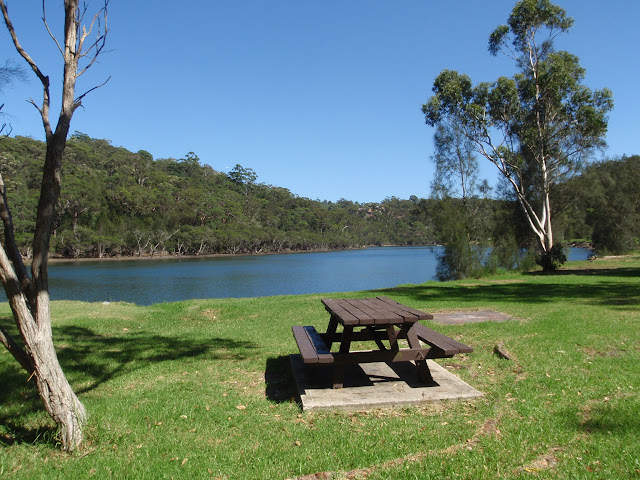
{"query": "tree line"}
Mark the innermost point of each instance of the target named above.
(115, 202)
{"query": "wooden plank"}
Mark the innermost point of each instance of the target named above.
(308, 353)
(369, 315)
(312, 348)
(335, 307)
(405, 310)
(355, 308)
(381, 312)
(436, 339)
(370, 356)
(324, 354)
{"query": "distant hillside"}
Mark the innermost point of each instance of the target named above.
(119, 203)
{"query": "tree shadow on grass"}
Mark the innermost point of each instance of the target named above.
(597, 272)
(103, 357)
(603, 418)
(90, 359)
(19, 399)
(618, 294)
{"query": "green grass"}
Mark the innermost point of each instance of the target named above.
(201, 389)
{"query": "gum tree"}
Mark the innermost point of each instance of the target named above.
(536, 127)
(28, 292)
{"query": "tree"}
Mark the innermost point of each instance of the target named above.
(244, 177)
(28, 295)
(607, 194)
(536, 127)
(456, 175)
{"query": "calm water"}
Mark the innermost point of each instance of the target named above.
(154, 281)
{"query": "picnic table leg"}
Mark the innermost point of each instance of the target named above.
(330, 336)
(392, 333)
(424, 374)
(345, 345)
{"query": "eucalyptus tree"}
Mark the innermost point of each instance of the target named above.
(535, 127)
(28, 294)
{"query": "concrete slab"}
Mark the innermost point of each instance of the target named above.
(375, 385)
(462, 317)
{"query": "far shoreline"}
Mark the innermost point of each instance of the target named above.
(122, 258)
(147, 257)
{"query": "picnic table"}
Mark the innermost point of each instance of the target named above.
(380, 320)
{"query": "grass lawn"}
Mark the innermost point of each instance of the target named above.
(201, 389)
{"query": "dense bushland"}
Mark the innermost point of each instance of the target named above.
(117, 202)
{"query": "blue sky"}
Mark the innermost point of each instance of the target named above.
(320, 97)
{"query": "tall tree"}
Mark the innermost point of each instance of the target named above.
(28, 294)
(535, 127)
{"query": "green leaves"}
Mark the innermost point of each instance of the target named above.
(532, 16)
(537, 126)
(497, 38)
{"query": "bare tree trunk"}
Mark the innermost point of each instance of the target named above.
(29, 296)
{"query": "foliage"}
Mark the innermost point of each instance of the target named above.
(536, 127)
(116, 202)
(606, 201)
(456, 222)
(202, 389)
(553, 259)
(460, 258)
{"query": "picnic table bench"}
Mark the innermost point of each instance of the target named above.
(381, 320)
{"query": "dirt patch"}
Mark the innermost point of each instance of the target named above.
(543, 462)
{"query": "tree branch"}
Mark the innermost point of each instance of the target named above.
(16, 350)
(44, 111)
(44, 20)
(98, 45)
(78, 101)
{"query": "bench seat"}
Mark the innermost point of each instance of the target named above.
(314, 350)
(311, 345)
(444, 346)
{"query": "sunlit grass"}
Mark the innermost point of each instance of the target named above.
(201, 389)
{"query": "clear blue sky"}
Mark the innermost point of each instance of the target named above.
(320, 97)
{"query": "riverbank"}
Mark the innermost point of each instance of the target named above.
(202, 388)
(168, 256)
(146, 257)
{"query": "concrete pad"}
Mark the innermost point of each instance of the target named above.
(374, 385)
(462, 317)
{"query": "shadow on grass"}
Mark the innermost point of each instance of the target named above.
(594, 272)
(90, 359)
(19, 399)
(605, 419)
(104, 357)
(619, 294)
(280, 385)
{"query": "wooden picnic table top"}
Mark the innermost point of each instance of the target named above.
(373, 311)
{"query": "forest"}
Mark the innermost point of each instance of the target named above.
(115, 202)
(119, 203)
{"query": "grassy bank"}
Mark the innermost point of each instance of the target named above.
(201, 389)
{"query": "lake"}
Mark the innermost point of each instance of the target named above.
(145, 282)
